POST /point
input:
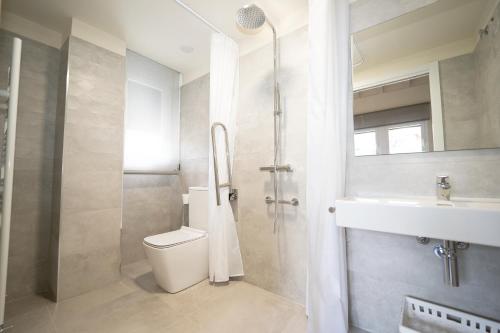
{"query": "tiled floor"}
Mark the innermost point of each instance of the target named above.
(137, 305)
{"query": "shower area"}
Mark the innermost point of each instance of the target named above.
(270, 165)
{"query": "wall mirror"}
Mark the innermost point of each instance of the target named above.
(429, 80)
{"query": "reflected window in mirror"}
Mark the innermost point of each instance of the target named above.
(365, 143)
(393, 118)
(406, 139)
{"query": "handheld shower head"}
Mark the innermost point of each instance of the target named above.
(250, 17)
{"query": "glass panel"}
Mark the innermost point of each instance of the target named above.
(365, 144)
(405, 140)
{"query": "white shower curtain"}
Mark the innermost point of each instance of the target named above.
(224, 249)
(329, 117)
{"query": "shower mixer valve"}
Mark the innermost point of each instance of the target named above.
(293, 202)
(273, 168)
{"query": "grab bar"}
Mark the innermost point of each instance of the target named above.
(218, 185)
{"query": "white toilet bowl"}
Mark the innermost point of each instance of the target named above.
(180, 258)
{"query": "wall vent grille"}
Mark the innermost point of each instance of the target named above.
(419, 316)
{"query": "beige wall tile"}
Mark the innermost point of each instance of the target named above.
(151, 205)
(91, 179)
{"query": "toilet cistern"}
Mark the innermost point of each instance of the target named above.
(443, 189)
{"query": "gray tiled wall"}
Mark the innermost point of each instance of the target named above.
(461, 111)
(91, 181)
(152, 204)
(195, 132)
(469, 86)
(31, 211)
(488, 76)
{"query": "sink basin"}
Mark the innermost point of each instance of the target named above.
(461, 219)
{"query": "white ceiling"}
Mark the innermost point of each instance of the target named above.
(394, 95)
(441, 23)
(159, 29)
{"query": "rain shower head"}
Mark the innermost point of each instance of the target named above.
(250, 17)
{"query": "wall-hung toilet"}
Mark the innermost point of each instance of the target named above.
(180, 258)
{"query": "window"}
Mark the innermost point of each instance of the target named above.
(365, 143)
(406, 139)
(152, 116)
(410, 137)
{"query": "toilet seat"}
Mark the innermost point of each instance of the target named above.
(173, 238)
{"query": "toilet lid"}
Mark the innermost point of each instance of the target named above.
(183, 235)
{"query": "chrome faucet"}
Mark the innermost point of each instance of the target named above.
(443, 189)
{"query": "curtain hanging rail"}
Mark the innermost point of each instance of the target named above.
(198, 16)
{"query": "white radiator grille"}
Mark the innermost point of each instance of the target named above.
(420, 316)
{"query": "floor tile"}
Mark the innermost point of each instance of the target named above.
(137, 305)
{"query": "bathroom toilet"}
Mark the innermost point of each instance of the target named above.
(180, 258)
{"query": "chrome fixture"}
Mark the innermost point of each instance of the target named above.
(293, 202)
(486, 30)
(448, 251)
(272, 168)
(250, 18)
(443, 189)
(218, 185)
(233, 195)
(423, 240)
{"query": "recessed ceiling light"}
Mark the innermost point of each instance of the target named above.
(187, 49)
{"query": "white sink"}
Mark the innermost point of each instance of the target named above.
(467, 220)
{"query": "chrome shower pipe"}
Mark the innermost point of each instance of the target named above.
(277, 124)
(251, 17)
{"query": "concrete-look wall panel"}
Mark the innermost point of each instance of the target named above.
(92, 176)
(32, 199)
(195, 131)
(152, 204)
